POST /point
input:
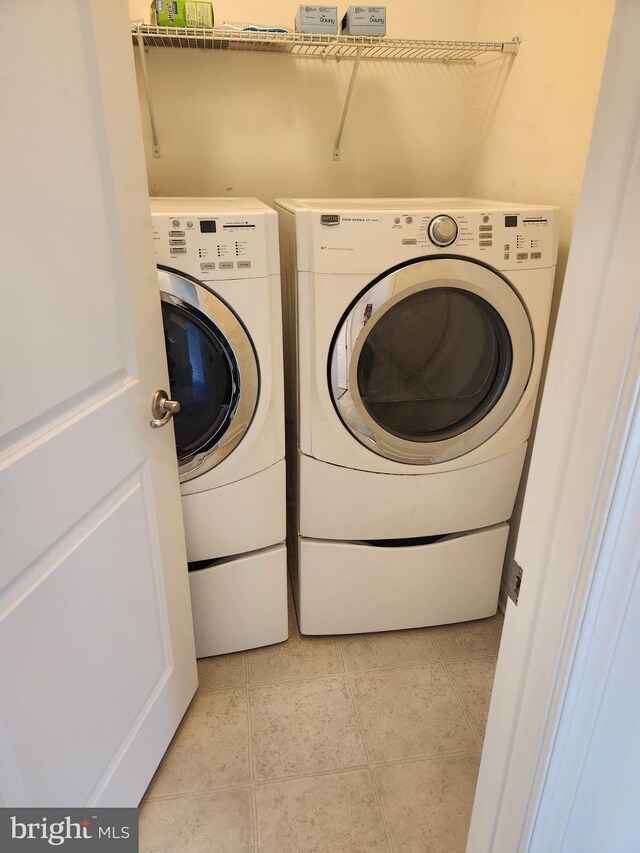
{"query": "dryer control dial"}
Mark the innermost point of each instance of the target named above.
(443, 230)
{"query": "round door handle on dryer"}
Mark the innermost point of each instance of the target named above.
(162, 409)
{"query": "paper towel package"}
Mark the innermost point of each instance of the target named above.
(182, 13)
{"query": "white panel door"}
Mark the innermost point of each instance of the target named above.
(97, 662)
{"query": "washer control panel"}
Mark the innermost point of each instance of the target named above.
(212, 247)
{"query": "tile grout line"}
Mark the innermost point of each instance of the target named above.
(277, 780)
(419, 661)
(414, 759)
(404, 664)
(206, 792)
(451, 679)
(435, 646)
(461, 703)
(366, 749)
(311, 775)
(254, 805)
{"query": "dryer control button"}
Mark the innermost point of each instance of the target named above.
(225, 265)
(176, 233)
(443, 230)
(207, 265)
(178, 250)
(244, 265)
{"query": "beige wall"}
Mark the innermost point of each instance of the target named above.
(532, 123)
(243, 124)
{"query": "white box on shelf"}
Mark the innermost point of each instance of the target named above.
(365, 21)
(317, 19)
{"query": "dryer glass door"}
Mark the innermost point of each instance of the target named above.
(213, 372)
(431, 360)
(434, 364)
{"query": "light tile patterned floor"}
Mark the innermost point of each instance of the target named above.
(359, 744)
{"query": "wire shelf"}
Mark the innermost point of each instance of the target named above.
(319, 46)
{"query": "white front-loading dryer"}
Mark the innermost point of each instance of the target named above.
(419, 330)
(218, 274)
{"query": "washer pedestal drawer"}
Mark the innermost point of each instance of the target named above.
(355, 587)
(236, 518)
(240, 603)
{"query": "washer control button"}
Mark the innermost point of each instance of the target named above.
(225, 265)
(485, 218)
(409, 220)
(207, 265)
(178, 250)
(507, 256)
(522, 256)
(244, 265)
(409, 241)
(176, 233)
(177, 242)
(189, 223)
(175, 223)
(535, 256)
(486, 243)
(443, 230)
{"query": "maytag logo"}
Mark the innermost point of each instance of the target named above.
(106, 829)
(330, 219)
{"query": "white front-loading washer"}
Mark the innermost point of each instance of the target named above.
(418, 335)
(218, 273)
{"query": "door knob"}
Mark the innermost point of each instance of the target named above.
(162, 409)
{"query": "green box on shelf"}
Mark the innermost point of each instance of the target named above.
(182, 13)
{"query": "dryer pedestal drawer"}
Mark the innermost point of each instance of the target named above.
(355, 587)
(346, 504)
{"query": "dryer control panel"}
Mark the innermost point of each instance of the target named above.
(215, 247)
(361, 240)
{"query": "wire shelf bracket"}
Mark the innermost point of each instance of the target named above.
(308, 45)
(147, 93)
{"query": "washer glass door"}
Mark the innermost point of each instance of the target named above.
(213, 372)
(203, 377)
(431, 360)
